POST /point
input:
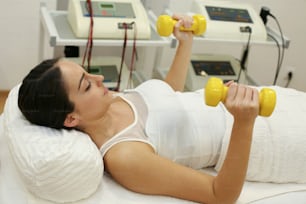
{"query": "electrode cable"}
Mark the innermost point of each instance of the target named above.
(89, 45)
(131, 67)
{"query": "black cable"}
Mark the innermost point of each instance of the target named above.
(264, 13)
(282, 37)
(283, 48)
(279, 53)
(290, 75)
(246, 51)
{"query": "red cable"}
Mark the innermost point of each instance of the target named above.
(89, 45)
(125, 25)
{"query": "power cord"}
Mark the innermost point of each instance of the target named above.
(264, 13)
(289, 77)
(278, 56)
(245, 54)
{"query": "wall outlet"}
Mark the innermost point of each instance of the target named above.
(289, 69)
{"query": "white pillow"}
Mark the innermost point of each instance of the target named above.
(56, 165)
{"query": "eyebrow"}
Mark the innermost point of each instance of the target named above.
(81, 79)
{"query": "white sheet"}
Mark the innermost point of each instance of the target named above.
(13, 191)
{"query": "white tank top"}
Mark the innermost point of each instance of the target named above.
(178, 125)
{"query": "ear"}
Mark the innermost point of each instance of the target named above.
(71, 120)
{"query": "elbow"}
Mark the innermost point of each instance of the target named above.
(224, 199)
(225, 195)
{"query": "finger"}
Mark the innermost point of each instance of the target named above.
(229, 83)
(232, 91)
(239, 93)
(178, 24)
(252, 94)
(249, 99)
(255, 97)
(176, 16)
(187, 21)
(249, 94)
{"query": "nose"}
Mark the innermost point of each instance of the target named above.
(98, 79)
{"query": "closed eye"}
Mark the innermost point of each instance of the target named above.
(88, 86)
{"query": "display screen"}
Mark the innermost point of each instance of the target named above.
(109, 9)
(223, 68)
(109, 72)
(107, 5)
(228, 14)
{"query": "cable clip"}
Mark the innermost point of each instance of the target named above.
(124, 25)
(245, 29)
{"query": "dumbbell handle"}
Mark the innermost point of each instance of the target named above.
(215, 91)
(165, 25)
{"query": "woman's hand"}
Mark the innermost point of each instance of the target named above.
(242, 102)
(186, 22)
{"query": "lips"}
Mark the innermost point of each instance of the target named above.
(105, 90)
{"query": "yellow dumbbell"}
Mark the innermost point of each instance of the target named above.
(215, 91)
(165, 25)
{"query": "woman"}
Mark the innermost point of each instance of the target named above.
(73, 98)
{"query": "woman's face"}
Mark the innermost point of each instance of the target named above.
(90, 97)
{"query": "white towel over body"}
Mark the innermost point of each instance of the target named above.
(278, 152)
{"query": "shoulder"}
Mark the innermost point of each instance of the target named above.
(125, 159)
(127, 153)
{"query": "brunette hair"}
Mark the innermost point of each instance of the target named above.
(42, 96)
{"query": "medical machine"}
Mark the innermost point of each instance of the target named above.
(109, 67)
(204, 66)
(111, 19)
(229, 20)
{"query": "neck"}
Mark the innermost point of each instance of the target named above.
(106, 127)
(99, 131)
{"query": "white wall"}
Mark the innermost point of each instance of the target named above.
(19, 28)
(19, 21)
(19, 40)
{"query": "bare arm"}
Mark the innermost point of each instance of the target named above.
(176, 76)
(243, 103)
